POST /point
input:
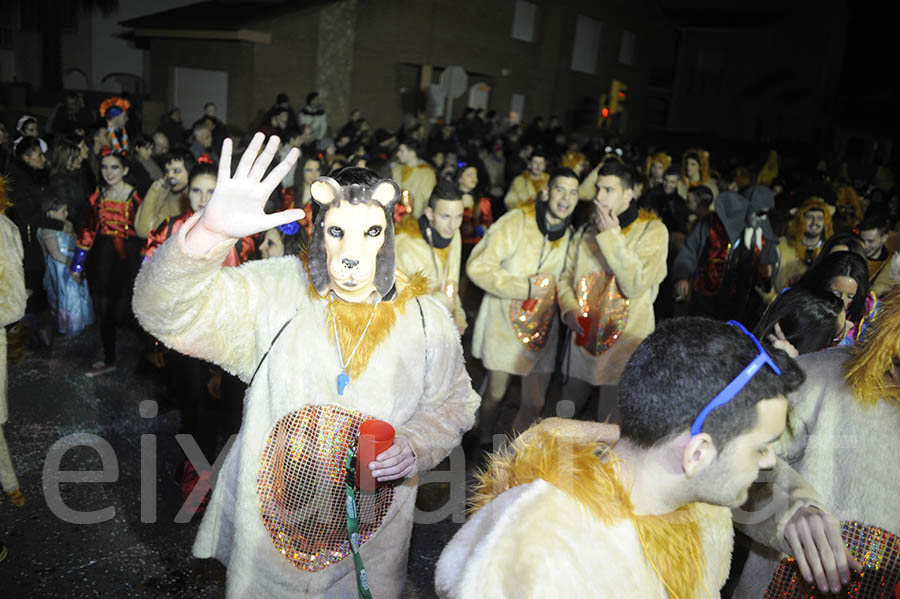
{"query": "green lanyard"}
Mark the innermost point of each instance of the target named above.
(362, 582)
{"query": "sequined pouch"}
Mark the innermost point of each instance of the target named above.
(532, 326)
(877, 550)
(601, 301)
(302, 498)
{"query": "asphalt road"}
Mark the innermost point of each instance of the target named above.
(52, 403)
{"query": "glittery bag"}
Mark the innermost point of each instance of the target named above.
(302, 498)
(600, 300)
(532, 326)
(877, 550)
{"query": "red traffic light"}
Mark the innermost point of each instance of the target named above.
(604, 112)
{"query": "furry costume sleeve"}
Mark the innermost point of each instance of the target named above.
(194, 305)
(447, 408)
(486, 263)
(636, 271)
(12, 276)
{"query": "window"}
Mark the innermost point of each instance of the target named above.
(587, 45)
(523, 21)
(626, 48)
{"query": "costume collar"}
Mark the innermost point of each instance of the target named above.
(552, 232)
(629, 216)
(435, 239)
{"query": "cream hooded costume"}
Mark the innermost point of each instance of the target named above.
(507, 337)
(440, 266)
(277, 516)
(552, 527)
(613, 278)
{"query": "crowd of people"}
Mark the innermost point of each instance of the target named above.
(552, 253)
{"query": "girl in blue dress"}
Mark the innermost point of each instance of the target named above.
(70, 301)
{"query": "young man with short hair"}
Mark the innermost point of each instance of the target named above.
(879, 245)
(519, 263)
(526, 187)
(167, 197)
(432, 245)
(314, 115)
(576, 509)
(414, 175)
(606, 294)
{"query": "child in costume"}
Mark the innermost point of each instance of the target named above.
(606, 293)
(12, 309)
(841, 437)
(70, 300)
(349, 346)
(518, 264)
(585, 510)
(114, 111)
(432, 245)
(109, 237)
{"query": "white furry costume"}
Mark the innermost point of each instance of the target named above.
(843, 449)
(415, 380)
(413, 253)
(539, 540)
(12, 308)
(510, 252)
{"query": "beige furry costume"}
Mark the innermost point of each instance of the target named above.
(636, 257)
(413, 253)
(410, 373)
(792, 252)
(551, 527)
(845, 448)
(501, 263)
(524, 189)
(419, 181)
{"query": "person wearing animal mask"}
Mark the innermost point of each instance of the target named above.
(356, 342)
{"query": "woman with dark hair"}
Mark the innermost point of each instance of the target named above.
(845, 275)
(308, 168)
(108, 236)
(843, 242)
(67, 177)
(477, 214)
(802, 321)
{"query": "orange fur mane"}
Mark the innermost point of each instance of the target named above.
(352, 319)
(872, 370)
(588, 473)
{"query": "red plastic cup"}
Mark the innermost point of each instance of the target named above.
(375, 437)
(529, 304)
(586, 324)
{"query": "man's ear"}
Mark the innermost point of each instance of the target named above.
(699, 452)
(324, 190)
(429, 214)
(386, 192)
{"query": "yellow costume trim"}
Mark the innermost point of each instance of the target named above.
(798, 225)
(872, 370)
(536, 182)
(642, 217)
(407, 171)
(352, 319)
(587, 472)
(4, 194)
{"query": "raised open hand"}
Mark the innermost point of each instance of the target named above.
(236, 207)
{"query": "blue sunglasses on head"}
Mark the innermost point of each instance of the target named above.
(738, 383)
